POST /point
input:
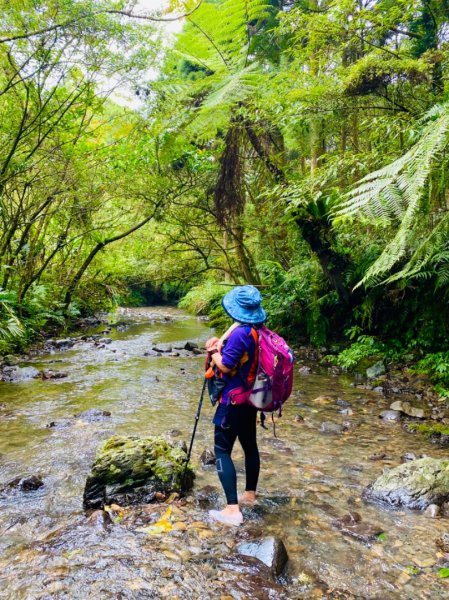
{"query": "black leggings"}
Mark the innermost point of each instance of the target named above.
(242, 425)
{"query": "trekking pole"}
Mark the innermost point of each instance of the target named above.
(197, 418)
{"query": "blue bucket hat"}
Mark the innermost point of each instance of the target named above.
(243, 304)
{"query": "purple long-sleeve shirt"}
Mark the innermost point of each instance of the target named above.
(240, 346)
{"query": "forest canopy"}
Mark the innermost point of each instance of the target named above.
(299, 146)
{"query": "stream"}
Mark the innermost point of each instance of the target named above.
(50, 549)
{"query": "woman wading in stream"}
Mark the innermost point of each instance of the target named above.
(235, 356)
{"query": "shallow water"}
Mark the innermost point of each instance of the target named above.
(49, 550)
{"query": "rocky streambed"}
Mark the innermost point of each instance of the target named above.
(143, 380)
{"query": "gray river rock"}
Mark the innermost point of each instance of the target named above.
(408, 409)
(270, 550)
(417, 484)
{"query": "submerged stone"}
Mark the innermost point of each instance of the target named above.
(353, 526)
(18, 374)
(190, 346)
(208, 457)
(390, 415)
(331, 428)
(133, 470)
(416, 484)
(270, 550)
(92, 415)
(24, 484)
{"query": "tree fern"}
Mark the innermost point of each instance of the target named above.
(219, 39)
(398, 195)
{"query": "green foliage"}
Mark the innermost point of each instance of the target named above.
(235, 166)
(429, 431)
(436, 367)
(402, 193)
(365, 347)
(205, 299)
(293, 301)
(443, 572)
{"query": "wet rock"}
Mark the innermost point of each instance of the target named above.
(24, 484)
(248, 577)
(132, 470)
(92, 415)
(18, 374)
(270, 550)
(304, 371)
(323, 400)
(64, 343)
(198, 351)
(437, 433)
(349, 519)
(49, 374)
(408, 457)
(343, 403)
(63, 424)
(415, 484)
(175, 432)
(353, 526)
(207, 496)
(346, 411)
(408, 409)
(432, 511)
(443, 542)
(152, 353)
(376, 370)
(99, 518)
(390, 415)
(105, 340)
(378, 389)
(299, 418)
(190, 346)
(181, 444)
(162, 348)
(208, 457)
(378, 456)
(10, 360)
(331, 428)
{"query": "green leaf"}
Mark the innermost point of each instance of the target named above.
(443, 572)
(412, 570)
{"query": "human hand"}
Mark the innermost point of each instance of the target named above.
(212, 343)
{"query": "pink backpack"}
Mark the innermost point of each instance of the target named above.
(274, 377)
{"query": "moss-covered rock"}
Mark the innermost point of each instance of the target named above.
(131, 470)
(438, 433)
(416, 484)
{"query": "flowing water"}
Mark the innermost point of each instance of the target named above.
(49, 549)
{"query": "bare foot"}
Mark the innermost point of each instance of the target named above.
(230, 515)
(231, 509)
(248, 498)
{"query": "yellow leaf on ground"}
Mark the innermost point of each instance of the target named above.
(162, 526)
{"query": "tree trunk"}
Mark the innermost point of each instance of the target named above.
(95, 250)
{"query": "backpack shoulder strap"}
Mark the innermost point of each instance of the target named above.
(255, 365)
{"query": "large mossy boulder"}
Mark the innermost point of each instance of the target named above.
(416, 484)
(132, 470)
